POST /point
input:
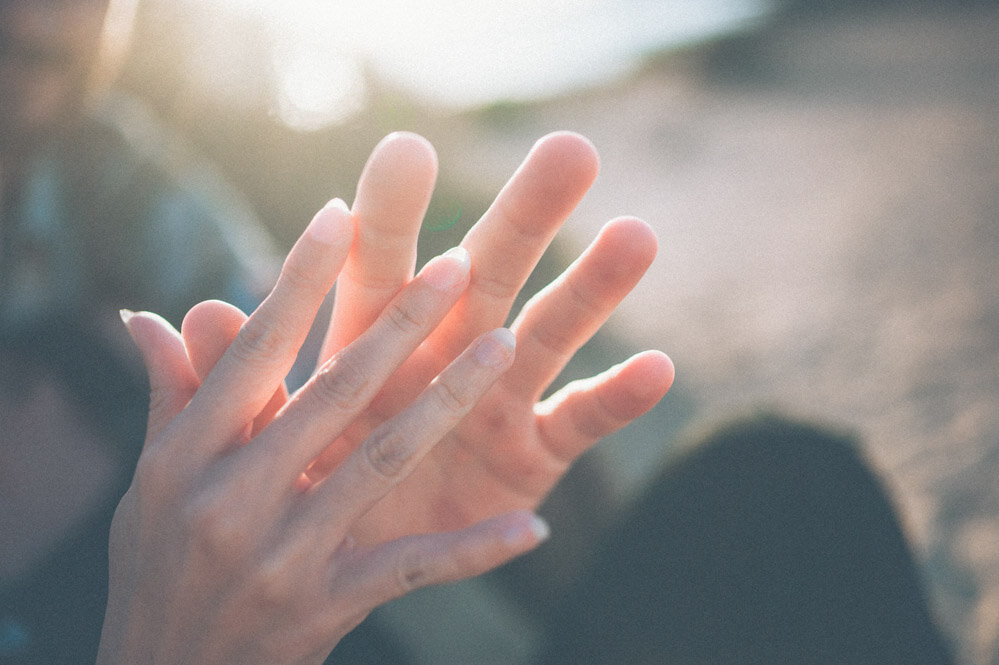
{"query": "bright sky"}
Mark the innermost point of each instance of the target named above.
(461, 53)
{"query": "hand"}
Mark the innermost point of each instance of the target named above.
(220, 551)
(509, 451)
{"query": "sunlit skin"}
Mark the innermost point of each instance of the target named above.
(510, 451)
(220, 553)
(261, 527)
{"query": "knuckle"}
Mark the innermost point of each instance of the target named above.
(497, 286)
(258, 340)
(273, 586)
(596, 419)
(298, 276)
(214, 529)
(413, 571)
(155, 476)
(403, 318)
(555, 342)
(580, 297)
(496, 421)
(341, 383)
(386, 453)
(451, 399)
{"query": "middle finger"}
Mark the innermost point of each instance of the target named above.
(392, 197)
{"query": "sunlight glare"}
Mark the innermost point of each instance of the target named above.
(317, 85)
(459, 54)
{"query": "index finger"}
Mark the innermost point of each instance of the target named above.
(255, 364)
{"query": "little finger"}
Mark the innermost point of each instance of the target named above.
(373, 576)
(583, 412)
(560, 319)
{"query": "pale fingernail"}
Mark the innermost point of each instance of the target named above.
(126, 315)
(495, 348)
(331, 224)
(448, 270)
(532, 532)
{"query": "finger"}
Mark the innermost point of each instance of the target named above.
(562, 317)
(583, 412)
(208, 329)
(394, 569)
(510, 238)
(392, 198)
(255, 364)
(322, 409)
(172, 379)
(396, 447)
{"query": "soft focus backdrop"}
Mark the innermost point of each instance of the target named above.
(823, 177)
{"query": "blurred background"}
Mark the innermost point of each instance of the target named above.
(823, 178)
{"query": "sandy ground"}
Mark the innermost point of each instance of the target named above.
(826, 194)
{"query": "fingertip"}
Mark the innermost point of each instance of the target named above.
(449, 270)
(208, 329)
(525, 531)
(394, 191)
(660, 367)
(627, 246)
(650, 375)
(144, 326)
(571, 147)
(406, 150)
(211, 315)
(163, 351)
(333, 225)
(552, 179)
(633, 387)
(336, 203)
(637, 232)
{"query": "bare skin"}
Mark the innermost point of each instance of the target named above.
(510, 451)
(264, 527)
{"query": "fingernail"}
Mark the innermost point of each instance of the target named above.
(532, 532)
(338, 204)
(331, 224)
(494, 349)
(126, 315)
(448, 270)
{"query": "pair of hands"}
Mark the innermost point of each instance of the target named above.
(262, 527)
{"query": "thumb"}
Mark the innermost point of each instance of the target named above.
(172, 379)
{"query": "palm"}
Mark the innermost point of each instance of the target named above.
(492, 462)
